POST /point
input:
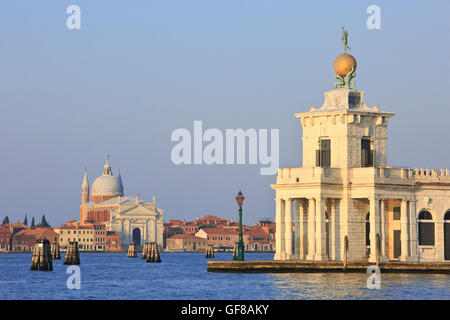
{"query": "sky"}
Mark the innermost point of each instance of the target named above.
(138, 70)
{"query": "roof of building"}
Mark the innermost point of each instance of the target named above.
(220, 231)
(35, 232)
(184, 236)
(86, 226)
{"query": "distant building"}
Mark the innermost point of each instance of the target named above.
(113, 241)
(130, 217)
(83, 234)
(13, 229)
(24, 240)
(5, 236)
(186, 242)
(255, 238)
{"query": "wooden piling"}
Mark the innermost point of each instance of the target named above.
(145, 251)
(42, 256)
(235, 252)
(157, 256)
(209, 251)
(378, 245)
(132, 253)
(153, 253)
(345, 253)
(72, 254)
(56, 254)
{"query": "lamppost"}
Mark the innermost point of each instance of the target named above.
(240, 201)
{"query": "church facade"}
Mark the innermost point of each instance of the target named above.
(132, 218)
(346, 188)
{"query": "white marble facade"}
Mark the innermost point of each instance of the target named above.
(345, 178)
(137, 220)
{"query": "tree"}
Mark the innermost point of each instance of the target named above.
(44, 223)
(33, 225)
(25, 221)
(6, 220)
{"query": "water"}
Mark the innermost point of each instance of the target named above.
(184, 276)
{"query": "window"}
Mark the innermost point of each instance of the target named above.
(396, 213)
(426, 229)
(366, 153)
(323, 156)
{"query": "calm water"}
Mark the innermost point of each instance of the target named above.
(184, 276)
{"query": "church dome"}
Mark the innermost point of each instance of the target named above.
(107, 183)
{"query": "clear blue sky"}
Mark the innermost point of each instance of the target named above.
(137, 70)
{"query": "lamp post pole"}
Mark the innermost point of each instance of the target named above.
(240, 201)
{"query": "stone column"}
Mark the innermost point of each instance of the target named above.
(374, 227)
(279, 245)
(413, 231)
(383, 234)
(404, 231)
(303, 228)
(332, 228)
(321, 237)
(311, 229)
(297, 228)
(439, 236)
(288, 228)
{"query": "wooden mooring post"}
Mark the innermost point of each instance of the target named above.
(132, 252)
(235, 252)
(42, 256)
(209, 251)
(345, 253)
(153, 253)
(72, 255)
(145, 251)
(56, 254)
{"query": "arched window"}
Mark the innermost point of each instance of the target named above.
(426, 229)
(447, 215)
(368, 229)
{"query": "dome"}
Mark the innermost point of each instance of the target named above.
(343, 64)
(107, 185)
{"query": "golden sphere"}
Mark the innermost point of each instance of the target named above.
(343, 64)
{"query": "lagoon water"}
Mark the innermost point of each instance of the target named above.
(184, 276)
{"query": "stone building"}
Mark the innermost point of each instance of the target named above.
(130, 217)
(346, 188)
(186, 242)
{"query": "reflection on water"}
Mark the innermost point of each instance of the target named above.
(184, 276)
(354, 286)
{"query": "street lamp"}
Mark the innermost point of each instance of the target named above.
(240, 201)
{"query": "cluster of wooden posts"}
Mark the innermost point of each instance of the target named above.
(44, 253)
(209, 252)
(72, 254)
(42, 256)
(56, 255)
(150, 252)
(132, 250)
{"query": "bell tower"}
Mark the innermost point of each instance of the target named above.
(85, 189)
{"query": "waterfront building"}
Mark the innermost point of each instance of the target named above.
(255, 238)
(5, 235)
(25, 239)
(133, 219)
(186, 242)
(347, 188)
(83, 234)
